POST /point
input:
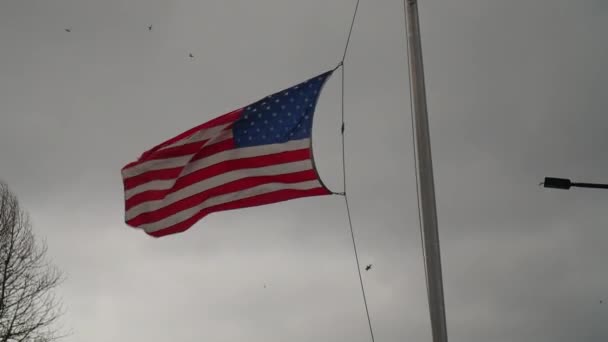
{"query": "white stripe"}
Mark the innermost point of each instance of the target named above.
(154, 185)
(238, 195)
(168, 163)
(246, 152)
(156, 164)
(218, 180)
(238, 153)
(203, 134)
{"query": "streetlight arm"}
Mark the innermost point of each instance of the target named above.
(565, 184)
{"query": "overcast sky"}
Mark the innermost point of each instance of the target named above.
(516, 91)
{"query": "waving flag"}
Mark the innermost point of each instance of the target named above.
(255, 155)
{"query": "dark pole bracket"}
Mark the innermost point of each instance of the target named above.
(565, 184)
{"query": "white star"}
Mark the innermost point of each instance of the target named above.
(257, 129)
(290, 100)
(298, 107)
(249, 138)
(282, 107)
(268, 107)
(263, 103)
(246, 117)
(288, 113)
(245, 131)
(252, 123)
(260, 115)
(249, 108)
(264, 137)
(306, 99)
(278, 136)
(306, 117)
(266, 122)
(253, 110)
(274, 114)
(310, 85)
(296, 87)
(291, 133)
(271, 128)
(276, 101)
(286, 93)
(310, 105)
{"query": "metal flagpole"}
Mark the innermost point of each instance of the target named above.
(432, 256)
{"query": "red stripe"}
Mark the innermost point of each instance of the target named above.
(165, 174)
(241, 163)
(150, 176)
(235, 186)
(272, 197)
(214, 170)
(178, 151)
(221, 120)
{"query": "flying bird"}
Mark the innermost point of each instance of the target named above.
(68, 30)
(191, 55)
(368, 267)
(150, 28)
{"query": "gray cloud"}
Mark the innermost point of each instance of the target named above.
(516, 93)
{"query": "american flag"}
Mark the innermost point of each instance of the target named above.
(259, 154)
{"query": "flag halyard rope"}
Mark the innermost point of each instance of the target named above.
(345, 193)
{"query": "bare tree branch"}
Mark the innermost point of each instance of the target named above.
(28, 308)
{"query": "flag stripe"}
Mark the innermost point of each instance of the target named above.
(268, 198)
(224, 199)
(176, 160)
(228, 118)
(200, 135)
(133, 183)
(242, 184)
(225, 152)
(212, 135)
(246, 152)
(212, 182)
(243, 166)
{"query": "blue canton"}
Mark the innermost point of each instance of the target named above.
(280, 117)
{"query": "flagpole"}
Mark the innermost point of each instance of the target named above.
(430, 236)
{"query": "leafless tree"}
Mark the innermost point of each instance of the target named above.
(28, 307)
